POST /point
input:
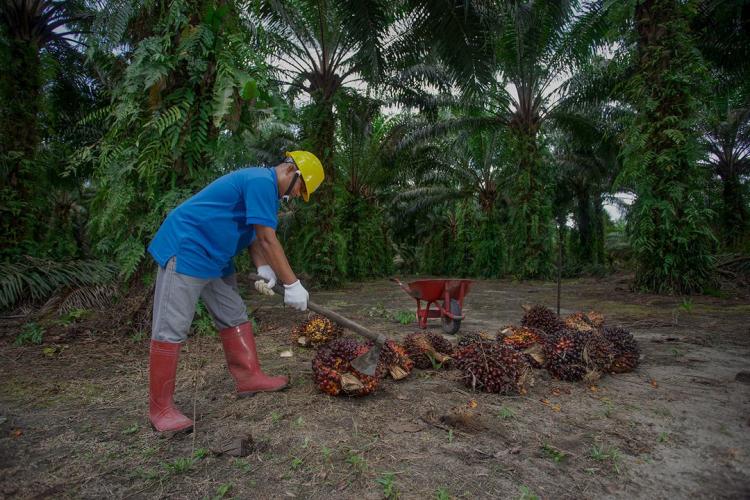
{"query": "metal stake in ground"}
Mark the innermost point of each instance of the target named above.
(366, 363)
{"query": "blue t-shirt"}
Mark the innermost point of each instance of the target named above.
(210, 228)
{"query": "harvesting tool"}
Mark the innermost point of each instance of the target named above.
(366, 363)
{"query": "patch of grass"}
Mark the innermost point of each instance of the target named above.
(221, 491)
(138, 336)
(275, 417)
(242, 465)
(609, 407)
(677, 353)
(132, 429)
(200, 453)
(326, 451)
(687, 304)
(31, 333)
(388, 482)
(663, 437)
(505, 413)
(358, 462)
(526, 493)
(609, 454)
(179, 465)
(405, 317)
(553, 453)
(298, 422)
(145, 474)
(442, 493)
(75, 315)
(297, 463)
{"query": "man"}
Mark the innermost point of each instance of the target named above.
(194, 249)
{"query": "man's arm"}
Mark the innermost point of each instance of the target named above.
(267, 250)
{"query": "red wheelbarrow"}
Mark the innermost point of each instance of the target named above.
(451, 292)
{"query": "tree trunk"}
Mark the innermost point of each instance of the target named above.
(19, 137)
(734, 220)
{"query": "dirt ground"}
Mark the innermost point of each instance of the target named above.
(73, 411)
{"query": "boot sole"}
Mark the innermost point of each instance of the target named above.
(169, 434)
(251, 394)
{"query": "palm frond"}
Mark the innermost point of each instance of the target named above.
(35, 279)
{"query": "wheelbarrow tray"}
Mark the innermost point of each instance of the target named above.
(450, 292)
(432, 290)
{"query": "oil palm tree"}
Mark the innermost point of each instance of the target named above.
(537, 46)
(726, 133)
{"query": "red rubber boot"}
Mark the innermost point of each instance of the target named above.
(162, 369)
(242, 359)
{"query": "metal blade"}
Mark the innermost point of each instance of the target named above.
(368, 362)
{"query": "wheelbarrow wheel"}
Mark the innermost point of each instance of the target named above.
(450, 325)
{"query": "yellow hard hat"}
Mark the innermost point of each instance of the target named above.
(310, 169)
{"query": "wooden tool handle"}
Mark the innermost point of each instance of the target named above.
(378, 338)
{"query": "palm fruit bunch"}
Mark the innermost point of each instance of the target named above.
(394, 360)
(529, 341)
(563, 353)
(473, 338)
(334, 374)
(541, 318)
(493, 367)
(626, 351)
(316, 330)
(422, 348)
(598, 354)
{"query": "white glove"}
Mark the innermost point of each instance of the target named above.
(267, 273)
(296, 296)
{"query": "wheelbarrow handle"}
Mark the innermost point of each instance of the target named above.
(378, 338)
(404, 287)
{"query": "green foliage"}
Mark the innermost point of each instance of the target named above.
(388, 482)
(203, 323)
(668, 224)
(405, 317)
(369, 249)
(189, 83)
(531, 213)
(32, 333)
(179, 465)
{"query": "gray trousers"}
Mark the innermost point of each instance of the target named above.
(175, 298)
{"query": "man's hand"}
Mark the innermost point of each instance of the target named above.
(296, 296)
(265, 272)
